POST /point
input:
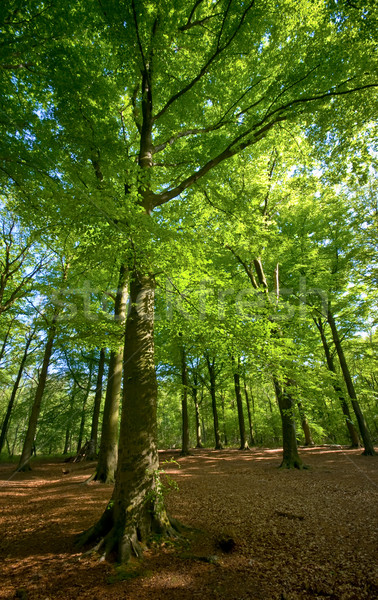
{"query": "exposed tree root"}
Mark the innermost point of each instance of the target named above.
(114, 540)
(369, 453)
(293, 464)
(244, 446)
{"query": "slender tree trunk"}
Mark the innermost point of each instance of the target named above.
(251, 435)
(15, 439)
(211, 369)
(203, 422)
(67, 441)
(108, 454)
(5, 340)
(355, 442)
(225, 436)
(197, 415)
(184, 405)
(239, 404)
(276, 436)
(24, 462)
(92, 453)
(67, 444)
(16, 385)
(305, 425)
(365, 434)
(83, 410)
(291, 457)
(136, 509)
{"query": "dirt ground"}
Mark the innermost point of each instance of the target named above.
(298, 535)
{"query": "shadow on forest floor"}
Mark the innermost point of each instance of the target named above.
(297, 535)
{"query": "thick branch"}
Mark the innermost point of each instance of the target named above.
(237, 145)
(233, 148)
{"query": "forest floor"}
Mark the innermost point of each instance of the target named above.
(298, 534)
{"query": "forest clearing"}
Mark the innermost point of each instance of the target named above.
(298, 534)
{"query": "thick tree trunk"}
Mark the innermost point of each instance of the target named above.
(24, 462)
(291, 457)
(250, 422)
(355, 441)
(365, 434)
(92, 453)
(239, 405)
(136, 509)
(16, 385)
(108, 454)
(211, 369)
(184, 405)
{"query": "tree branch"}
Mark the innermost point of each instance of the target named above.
(213, 57)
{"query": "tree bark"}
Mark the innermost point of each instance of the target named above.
(136, 509)
(225, 436)
(239, 405)
(5, 341)
(108, 454)
(83, 411)
(305, 425)
(197, 415)
(365, 434)
(291, 457)
(16, 385)
(24, 462)
(211, 369)
(355, 442)
(250, 423)
(184, 405)
(68, 435)
(92, 453)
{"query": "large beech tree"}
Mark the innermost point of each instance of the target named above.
(133, 103)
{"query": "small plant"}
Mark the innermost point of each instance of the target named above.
(161, 488)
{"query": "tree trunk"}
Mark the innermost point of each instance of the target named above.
(291, 457)
(211, 369)
(239, 404)
(136, 509)
(355, 442)
(67, 440)
(24, 462)
(225, 436)
(83, 411)
(92, 453)
(197, 415)
(108, 454)
(365, 434)
(16, 385)
(251, 435)
(276, 436)
(305, 425)
(184, 405)
(5, 341)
